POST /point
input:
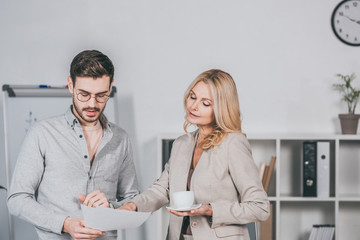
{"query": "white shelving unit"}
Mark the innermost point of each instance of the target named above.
(294, 215)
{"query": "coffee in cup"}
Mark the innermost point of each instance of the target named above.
(183, 199)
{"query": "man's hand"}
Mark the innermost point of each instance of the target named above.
(129, 206)
(76, 228)
(94, 199)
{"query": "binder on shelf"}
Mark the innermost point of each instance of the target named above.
(323, 168)
(316, 169)
(309, 169)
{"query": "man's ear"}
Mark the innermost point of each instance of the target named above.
(111, 87)
(70, 84)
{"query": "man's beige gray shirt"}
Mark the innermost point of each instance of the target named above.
(53, 168)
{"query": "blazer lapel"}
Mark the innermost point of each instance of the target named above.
(201, 165)
(186, 161)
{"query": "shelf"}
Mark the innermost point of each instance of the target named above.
(304, 136)
(349, 168)
(348, 223)
(284, 136)
(306, 199)
(349, 199)
(314, 199)
(291, 167)
(293, 214)
(297, 219)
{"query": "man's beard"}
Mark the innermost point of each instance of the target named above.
(86, 109)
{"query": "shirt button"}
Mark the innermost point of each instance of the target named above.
(80, 136)
(90, 177)
(85, 156)
(194, 224)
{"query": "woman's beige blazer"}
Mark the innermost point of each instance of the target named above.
(225, 177)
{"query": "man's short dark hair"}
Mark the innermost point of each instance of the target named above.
(91, 63)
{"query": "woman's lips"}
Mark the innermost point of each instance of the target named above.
(193, 115)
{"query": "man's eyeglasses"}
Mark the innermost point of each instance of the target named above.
(84, 97)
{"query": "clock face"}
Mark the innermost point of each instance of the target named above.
(345, 22)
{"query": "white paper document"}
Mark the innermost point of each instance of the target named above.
(107, 219)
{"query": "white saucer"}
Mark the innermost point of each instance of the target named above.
(194, 206)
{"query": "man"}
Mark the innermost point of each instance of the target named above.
(74, 158)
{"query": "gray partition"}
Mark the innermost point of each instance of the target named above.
(253, 230)
(22, 107)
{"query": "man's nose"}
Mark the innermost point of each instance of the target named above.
(92, 101)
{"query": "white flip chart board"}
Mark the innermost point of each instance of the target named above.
(23, 105)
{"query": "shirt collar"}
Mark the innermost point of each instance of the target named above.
(72, 120)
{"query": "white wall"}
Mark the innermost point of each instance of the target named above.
(282, 54)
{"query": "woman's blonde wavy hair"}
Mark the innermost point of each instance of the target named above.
(225, 104)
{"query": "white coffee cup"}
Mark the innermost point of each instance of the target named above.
(183, 199)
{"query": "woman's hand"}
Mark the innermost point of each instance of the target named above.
(205, 209)
(129, 206)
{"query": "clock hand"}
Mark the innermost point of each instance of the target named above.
(353, 20)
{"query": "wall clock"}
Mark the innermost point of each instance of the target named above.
(345, 22)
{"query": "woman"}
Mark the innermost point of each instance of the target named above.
(214, 162)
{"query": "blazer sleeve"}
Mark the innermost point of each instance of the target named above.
(156, 195)
(253, 205)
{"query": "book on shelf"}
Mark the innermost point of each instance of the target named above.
(266, 227)
(270, 173)
(322, 232)
(266, 172)
(262, 170)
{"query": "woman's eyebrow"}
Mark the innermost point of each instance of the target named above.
(207, 99)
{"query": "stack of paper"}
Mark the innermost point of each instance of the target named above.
(108, 219)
